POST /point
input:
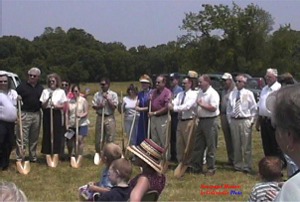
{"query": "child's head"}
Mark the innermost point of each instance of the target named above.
(120, 171)
(270, 168)
(110, 153)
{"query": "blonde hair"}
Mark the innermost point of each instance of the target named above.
(111, 152)
(123, 167)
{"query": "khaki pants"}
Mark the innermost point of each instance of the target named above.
(227, 136)
(31, 122)
(109, 131)
(184, 129)
(241, 131)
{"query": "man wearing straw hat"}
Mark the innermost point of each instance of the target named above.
(105, 101)
(160, 98)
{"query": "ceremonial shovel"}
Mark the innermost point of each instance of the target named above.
(181, 168)
(165, 163)
(97, 159)
(52, 159)
(23, 169)
(76, 163)
(149, 121)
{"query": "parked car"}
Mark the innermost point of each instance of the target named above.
(256, 84)
(14, 78)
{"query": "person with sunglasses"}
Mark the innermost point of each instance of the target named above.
(8, 116)
(241, 114)
(105, 101)
(77, 109)
(53, 97)
(30, 93)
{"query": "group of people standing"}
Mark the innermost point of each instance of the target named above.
(57, 107)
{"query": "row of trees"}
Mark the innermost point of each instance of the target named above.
(218, 38)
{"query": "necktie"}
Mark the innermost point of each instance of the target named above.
(237, 105)
(182, 101)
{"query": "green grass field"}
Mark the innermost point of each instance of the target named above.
(61, 183)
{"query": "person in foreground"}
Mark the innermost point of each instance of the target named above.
(110, 153)
(149, 155)
(286, 120)
(270, 172)
(119, 173)
(10, 192)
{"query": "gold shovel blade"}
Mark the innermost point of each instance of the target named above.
(97, 159)
(180, 170)
(23, 167)
(76, 163)
(52, 160)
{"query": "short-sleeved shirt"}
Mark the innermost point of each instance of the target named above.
(265, 92)
(260, 190)
(104, 180)
(130, 105)
(210, 96)
(58, 96)
(160, 100)
(98, 98)
(30, 96)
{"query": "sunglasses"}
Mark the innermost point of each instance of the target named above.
(65, 85)
(102, 84)
(75, 91)
(32, 75)
(5, 81)
(158, 82)
(239, 81)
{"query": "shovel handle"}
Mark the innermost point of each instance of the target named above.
(21, 129)
(149, 121)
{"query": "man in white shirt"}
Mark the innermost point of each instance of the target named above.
(241, 111)
(185, 104)
(208, 101)
(263, 123)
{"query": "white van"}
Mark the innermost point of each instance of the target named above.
(14, 79)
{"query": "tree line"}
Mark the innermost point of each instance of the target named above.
(218, 38)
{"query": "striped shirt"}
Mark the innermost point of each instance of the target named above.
(260, 191)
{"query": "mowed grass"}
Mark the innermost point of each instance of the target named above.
(61, 183)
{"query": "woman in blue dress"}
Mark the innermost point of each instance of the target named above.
(142, 107)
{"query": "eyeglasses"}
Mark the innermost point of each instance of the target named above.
(239, 81)
(32, 75)
(158, 82)
(75, 91)
(102, 84)
(65, 85)
(51, 81)
(5, 81)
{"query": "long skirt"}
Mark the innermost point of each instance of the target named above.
(57, 131)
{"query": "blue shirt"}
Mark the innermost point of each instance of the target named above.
(177, 89)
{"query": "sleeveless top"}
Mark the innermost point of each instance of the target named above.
(157, 181)
(80, 109)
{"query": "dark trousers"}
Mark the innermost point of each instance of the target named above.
(174, 123)
(7, 140)
(269, 142)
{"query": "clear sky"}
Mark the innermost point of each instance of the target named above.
(132, 22)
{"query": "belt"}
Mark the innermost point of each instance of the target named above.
(160, 115)
(240, 117)
(212, 117)
(30, 111)
(188, 119)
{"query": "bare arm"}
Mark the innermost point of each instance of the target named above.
(141, 187)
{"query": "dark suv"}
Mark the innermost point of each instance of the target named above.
(256, 84)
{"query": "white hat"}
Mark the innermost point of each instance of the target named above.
(226, 76)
